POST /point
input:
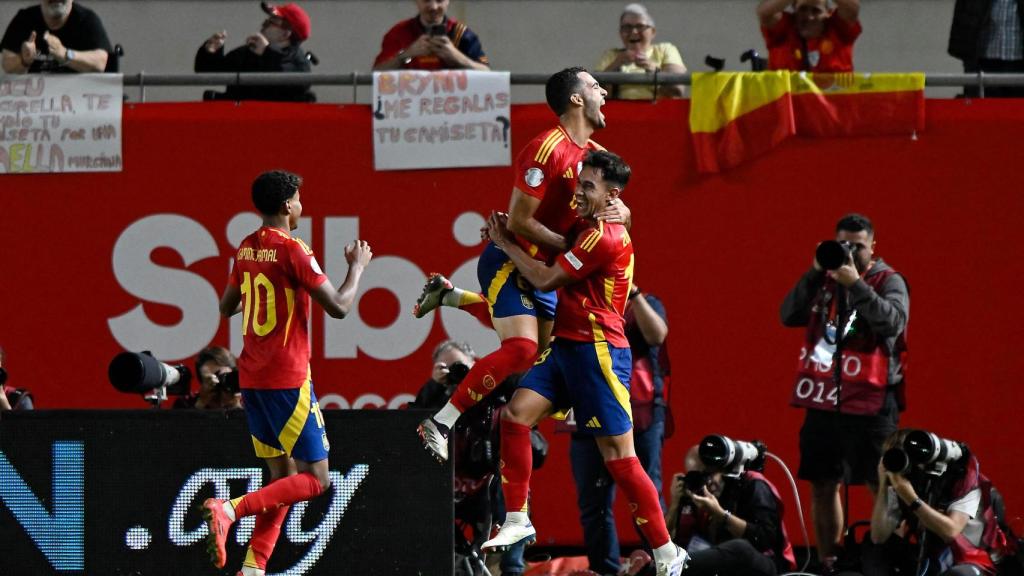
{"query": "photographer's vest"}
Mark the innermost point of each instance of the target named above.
(865, 361)
(982, 537)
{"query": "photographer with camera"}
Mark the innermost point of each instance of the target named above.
(727, 514)
(854, 309)
(12, 398)
(474, 449)
(55, 36)
(932, 488)
(218, 382)
(431, 41)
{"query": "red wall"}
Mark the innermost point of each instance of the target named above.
(721, 251)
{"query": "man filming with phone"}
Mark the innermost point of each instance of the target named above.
(431, 41)
(854, 309)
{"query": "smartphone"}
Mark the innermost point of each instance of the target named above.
(436, 30)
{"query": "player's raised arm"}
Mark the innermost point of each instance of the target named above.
(337, 303)
(521, 221)
(542, 277)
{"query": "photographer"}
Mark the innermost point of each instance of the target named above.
(474, 449)
(942, 499)
(841, 441)
(218, 382)
(12, 398)
(730, 523)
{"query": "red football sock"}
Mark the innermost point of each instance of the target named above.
(480, 310)
(515, 355)
(642, 497)
(516, 465)
(282, 492)
(264, 537)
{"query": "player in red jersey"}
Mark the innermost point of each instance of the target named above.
(540, 214)
(272, 279)
(588, 365)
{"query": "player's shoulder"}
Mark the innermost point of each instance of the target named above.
(542, 148)
(604, 236)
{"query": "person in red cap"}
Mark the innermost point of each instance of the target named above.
(431, 41)
(277, 47)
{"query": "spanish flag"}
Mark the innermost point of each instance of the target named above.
(737, 116)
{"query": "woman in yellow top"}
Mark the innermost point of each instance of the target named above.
(641, 54)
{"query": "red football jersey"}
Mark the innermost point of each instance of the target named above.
(547, 169)
(591, 308)
(275, 273)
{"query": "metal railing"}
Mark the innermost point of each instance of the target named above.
(355, 79)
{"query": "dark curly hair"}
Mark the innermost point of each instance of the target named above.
(273, 188)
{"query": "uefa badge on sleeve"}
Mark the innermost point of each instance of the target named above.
(534, 177)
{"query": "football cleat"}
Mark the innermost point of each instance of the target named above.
(435, 438)
(218, 523)
(433, 292)
(673, 567)
(509, 535)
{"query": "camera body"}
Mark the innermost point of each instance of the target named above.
(456, 373)
(228, 382)
(695, 481)
(832, 254)
(920, 447)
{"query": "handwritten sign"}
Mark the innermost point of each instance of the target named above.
(65, 123)
(441, 119)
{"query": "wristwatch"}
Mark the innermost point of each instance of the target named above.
(916, 504)
(69, 55)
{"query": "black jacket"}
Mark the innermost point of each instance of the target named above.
(971, 18)
(242, 59)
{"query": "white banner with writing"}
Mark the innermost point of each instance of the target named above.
(441, 119)
(60, 123)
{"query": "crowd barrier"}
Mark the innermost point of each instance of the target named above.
(118, 492)
(99, 263)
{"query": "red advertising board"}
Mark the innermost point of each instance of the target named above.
(98, 263)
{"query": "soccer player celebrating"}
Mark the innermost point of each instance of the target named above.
(273, 277)
(588, 366)
(540, 214)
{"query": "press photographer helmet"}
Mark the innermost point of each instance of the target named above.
(138, 373)
(832, 254)
(731, 456)
(925, 448)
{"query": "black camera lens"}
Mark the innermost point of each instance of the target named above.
(456, 372)
(895, 460)
(832, 255)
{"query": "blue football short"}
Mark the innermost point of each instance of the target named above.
(286, 421)
(508, 293)
(592, 378)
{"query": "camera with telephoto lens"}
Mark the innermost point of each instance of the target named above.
(695, 481)
(457, 372)
(923, 448)
(228, 381)
(731, 456)
(141, 373)
(832, 254)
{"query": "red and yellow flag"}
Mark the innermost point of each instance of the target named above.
(737, 116)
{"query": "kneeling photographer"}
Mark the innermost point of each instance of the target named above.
(726, 513)
(933, 513)
(217, 371)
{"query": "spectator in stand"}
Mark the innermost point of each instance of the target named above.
(277, 47)
(814, 36)
(640, 54)
(56, 36)
(987, 37)
(431, 41)
(217, 391)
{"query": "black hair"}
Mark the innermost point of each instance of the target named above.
(614, 169)
(854, 222)
(273, 188)
(221, 356)
(561, 86)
